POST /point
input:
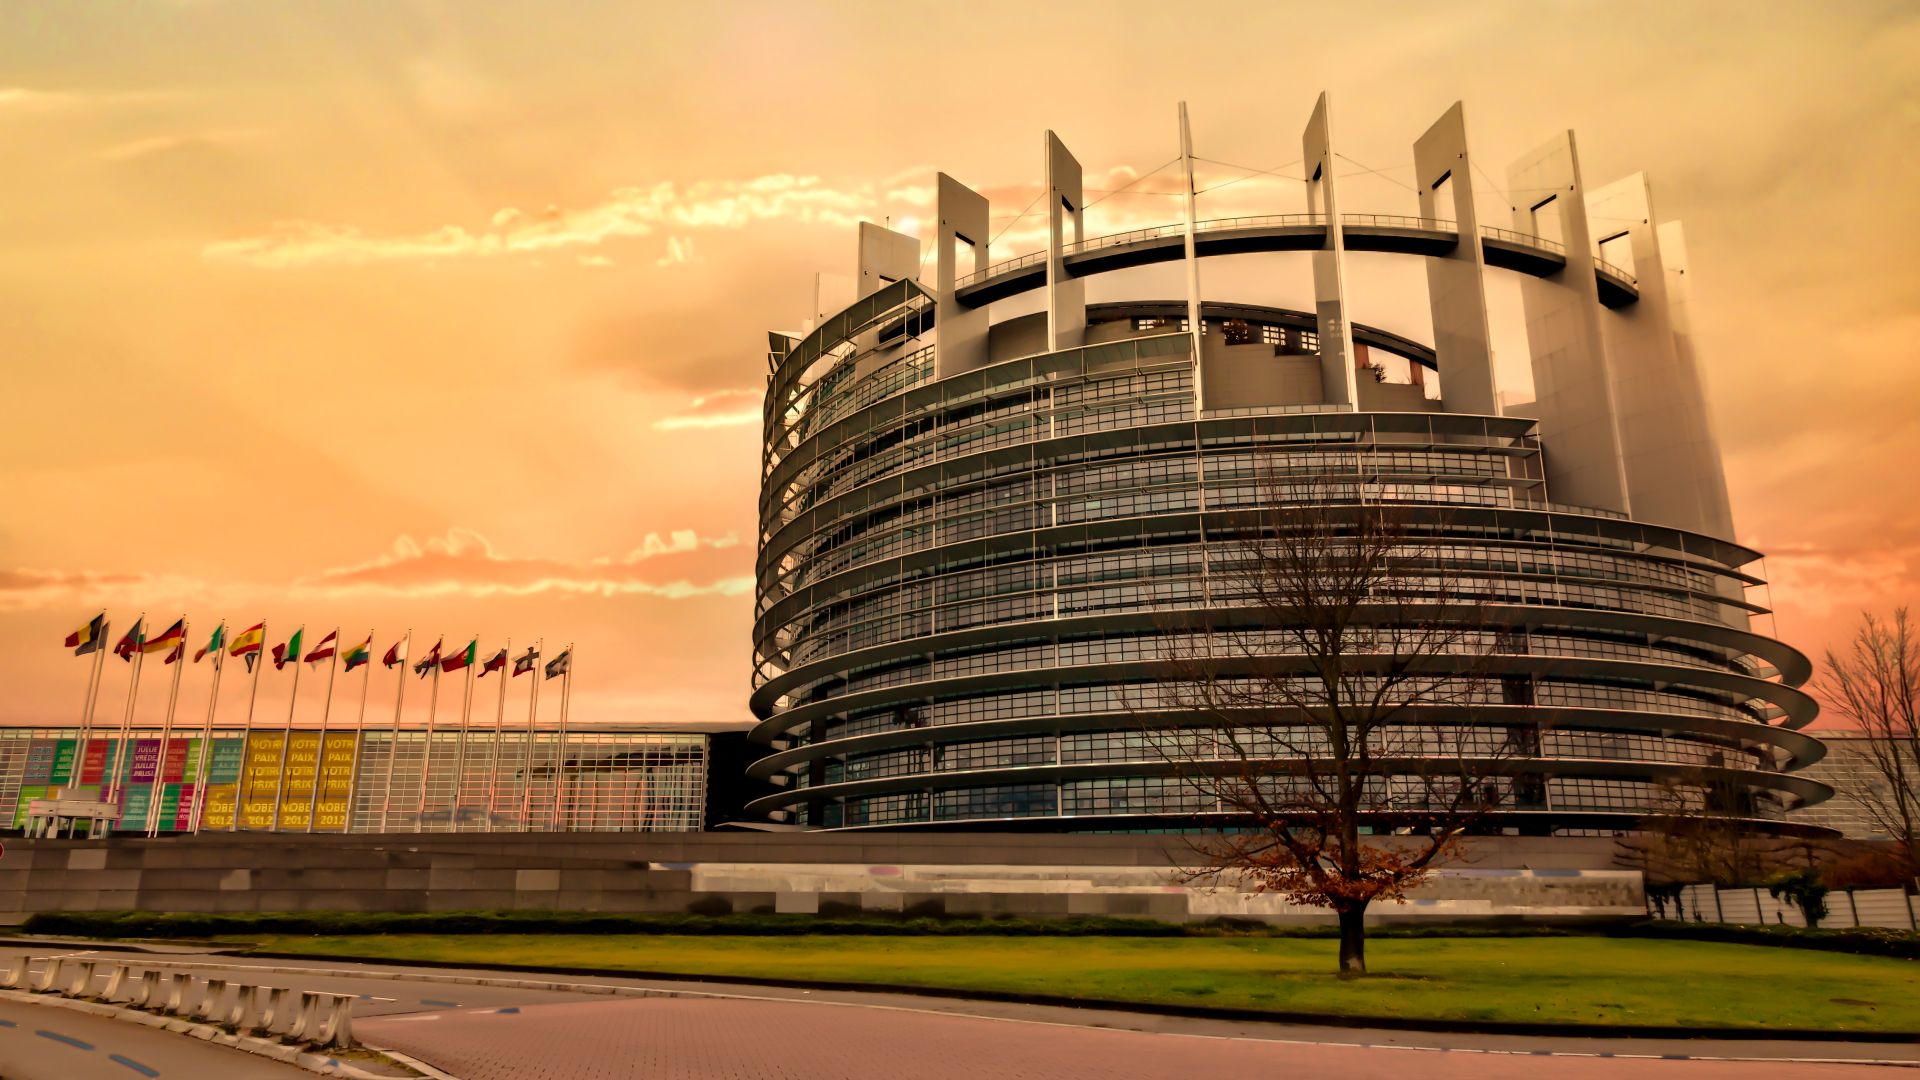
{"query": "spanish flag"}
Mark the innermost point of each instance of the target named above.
(90, 637)
(247, 643)
(176, 635)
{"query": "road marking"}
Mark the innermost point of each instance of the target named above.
(69, 1040)
(441, 1004)
(143, 1070)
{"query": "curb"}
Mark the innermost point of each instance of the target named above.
(1197, 1012)
(269, 1048)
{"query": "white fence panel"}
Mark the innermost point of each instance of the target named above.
(1884, 907)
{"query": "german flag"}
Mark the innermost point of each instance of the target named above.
(90, 637)
(176, 635)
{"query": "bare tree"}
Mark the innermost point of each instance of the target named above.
(1328, 715)
(1876, 684)
(1699, 830)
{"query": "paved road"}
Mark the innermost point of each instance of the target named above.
(39, 1042)
(482, 1033)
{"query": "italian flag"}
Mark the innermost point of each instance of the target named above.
(462, 659)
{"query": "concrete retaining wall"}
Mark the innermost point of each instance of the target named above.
(985, 874)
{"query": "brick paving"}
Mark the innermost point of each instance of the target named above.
(705, 1039)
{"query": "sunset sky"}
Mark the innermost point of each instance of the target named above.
(451, 316)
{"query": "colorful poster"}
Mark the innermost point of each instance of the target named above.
(63, 752)
(39, 767)
(219, 811)
(146, 759)
(135, 801)
(260, 781)
(173, 768)
(224, 764)
(93, 762)
(182, 807)
(336, 781)
(296, 787)
(27, 795)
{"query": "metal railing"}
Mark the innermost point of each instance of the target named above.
(1494, 232)
(1398, 221)
(1268, 221)
(1611, 270)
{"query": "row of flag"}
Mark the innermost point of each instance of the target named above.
(249, 643)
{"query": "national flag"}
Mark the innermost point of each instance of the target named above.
(397, 654)
(525, 663)
(247, 646)
(282, 654)
(179, 652)
(130, 642)
(462, 659)
(325, 649)
(354, 655)
(89, 637)
(497, 662)
(175, 635)
(213, 645)
(429, 662)
(560, 665)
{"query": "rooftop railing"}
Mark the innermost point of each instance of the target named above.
(1271, 221)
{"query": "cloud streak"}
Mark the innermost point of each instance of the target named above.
(722, 408)
(627, 212)
(679, 565)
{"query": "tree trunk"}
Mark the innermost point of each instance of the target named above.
(1353, 942)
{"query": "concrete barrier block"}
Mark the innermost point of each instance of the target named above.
(547, 880)
(87, 859)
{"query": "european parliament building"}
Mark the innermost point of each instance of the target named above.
(988, 504)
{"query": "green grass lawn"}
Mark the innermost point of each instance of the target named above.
(1588, 980)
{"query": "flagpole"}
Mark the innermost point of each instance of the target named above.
(359, 738)
(393, 744)
(426, 755)
(126, 717)
(206, 737)
(166, 732)
(560, 775)
(93, 680)
(526, 768)
(320, 753)
(246, 733)
(499, 723)
(460, 754)
(286, 737)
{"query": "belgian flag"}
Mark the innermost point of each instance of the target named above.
(89, 638)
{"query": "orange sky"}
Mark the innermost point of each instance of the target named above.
(451, 315)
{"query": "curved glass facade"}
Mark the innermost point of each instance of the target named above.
(969, 586)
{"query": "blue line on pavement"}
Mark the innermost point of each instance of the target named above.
(442, 1004)
(8, 1023)
(508, 1011)
(143, 1070)
(57, 1037)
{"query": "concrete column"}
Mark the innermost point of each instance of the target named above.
(1456, 287)
(959, 249)
(1066, 206)
(1709, 472)
(1329, 264)
(1574, 402)
(1674, 476)
(831, 295)
(885, 257)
